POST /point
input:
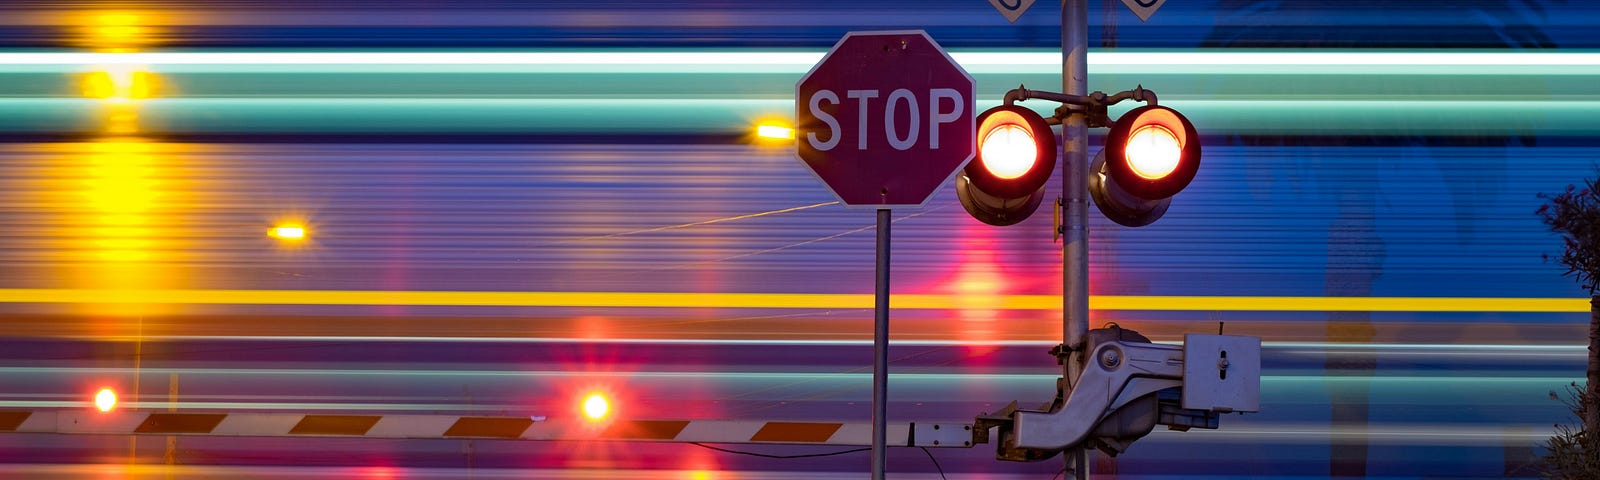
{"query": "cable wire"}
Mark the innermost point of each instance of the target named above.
(935, 462)
(764, 455)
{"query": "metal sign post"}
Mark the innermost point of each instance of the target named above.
(880, 352)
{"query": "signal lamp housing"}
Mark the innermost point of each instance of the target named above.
(1119, 205)
(1004, 184)
(1151, 154)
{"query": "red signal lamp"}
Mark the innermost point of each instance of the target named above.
(1151, 154)
(105, 400)
(1004, 184)
(596, 407)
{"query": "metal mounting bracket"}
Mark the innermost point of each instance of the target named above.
(1117, 373)
(1123, 369)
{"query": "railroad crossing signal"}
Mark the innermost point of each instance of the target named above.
(1116, 386)
(1151, 153)
(1124, 384)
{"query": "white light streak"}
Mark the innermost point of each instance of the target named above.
(755, 61)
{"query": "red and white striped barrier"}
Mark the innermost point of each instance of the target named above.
(456, 426)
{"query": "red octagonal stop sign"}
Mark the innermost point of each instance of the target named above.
(885, 118)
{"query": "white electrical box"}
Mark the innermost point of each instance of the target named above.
(1222, 373)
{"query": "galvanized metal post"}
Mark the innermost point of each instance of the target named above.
(880, 353)
(1075, 217)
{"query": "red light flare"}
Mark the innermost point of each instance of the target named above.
(377, 472)
(105, 400)
(592, 327)
(596, 454)
(700, 465)
(978, 283)
(592, 369)
(104, 395)
(593, 400)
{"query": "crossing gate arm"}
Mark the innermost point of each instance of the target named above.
(300, 425)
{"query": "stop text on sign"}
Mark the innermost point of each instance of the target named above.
(942, 106)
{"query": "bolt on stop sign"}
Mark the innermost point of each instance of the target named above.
(885, 118)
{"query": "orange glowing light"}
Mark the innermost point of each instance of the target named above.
(122, 119)
(1008, 151)
(288, 232)
(1153, 151)
(378, 472)
(122, 28)
(119, 32)
(119, 84)
(775, 131)
(105, 400)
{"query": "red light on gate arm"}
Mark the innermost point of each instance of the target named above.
(596, 407)
(1016, 152)
(1152, 152)
(105, 400)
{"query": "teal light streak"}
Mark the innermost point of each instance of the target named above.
(734, 116)
(687, 91)
(794, 61)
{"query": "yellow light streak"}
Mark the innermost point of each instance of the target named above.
(119, 83)
(121, 185)
(118, 28)
(121, 226)
(117, 32)
(803, 301)
(123, 255)
(288, 232)
(775, 132)
(122, 119)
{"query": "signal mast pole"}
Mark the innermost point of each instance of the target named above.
(1075, 215)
